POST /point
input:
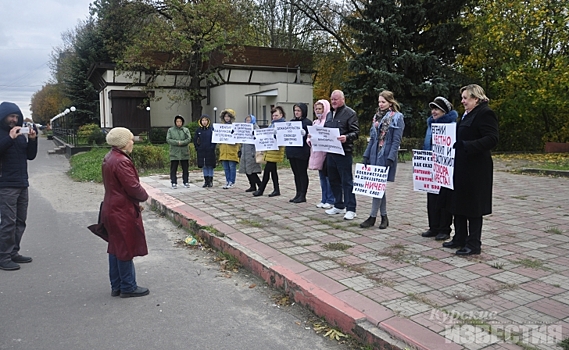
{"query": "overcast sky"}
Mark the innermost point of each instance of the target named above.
(29, 30)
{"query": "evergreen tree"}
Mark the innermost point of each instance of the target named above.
(408, 47)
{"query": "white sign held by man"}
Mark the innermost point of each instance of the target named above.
(444, 137)
(423, 172)
(289, 134)
(370, 180)
(325, 139)
(222, 133)
(265, 140)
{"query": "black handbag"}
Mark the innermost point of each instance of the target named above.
(98, 228)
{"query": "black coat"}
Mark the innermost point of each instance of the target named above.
(204, 147)
(346, 120)
(473, 168)
(304, 151)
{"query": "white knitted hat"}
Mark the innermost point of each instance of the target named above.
(119, 137)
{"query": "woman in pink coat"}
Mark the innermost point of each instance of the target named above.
(318, 159)
(121, 214)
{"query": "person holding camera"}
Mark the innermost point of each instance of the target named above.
(15, 151)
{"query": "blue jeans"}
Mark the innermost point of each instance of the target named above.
(208, 171)
(122, 274)
(230, 168)
(341, 180)
(13, 214)
(327, 196)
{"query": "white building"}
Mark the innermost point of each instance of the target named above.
(252, 82)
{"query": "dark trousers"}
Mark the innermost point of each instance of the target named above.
(439, 218)
(300, 171)
(174, 169)
(254, 179)
(270, 170)
(341, 180)
(14, 212)
(122, 274)
(468, 231)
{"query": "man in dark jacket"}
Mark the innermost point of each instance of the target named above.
(15, 151)
(340, 166)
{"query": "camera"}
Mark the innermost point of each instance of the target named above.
(25, 128)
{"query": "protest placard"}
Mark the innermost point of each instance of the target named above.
(243, 133)
(444, 137)
(222, 133)
(289, 134)
(423, 172)
(325, 139)
(370, 180)
(265, 140)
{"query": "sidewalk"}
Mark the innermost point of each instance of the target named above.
(392, 287)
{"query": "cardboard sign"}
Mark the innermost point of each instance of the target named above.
(243, 133)
(370, 181)
(265, 140)
(289, 134)
(325, 139)
(423, 172)
(222, 133)
(444, 137)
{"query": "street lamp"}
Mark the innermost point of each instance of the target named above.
(215, 114)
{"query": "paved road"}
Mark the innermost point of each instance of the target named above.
(62, 300)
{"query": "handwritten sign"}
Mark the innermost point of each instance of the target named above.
(423, 172)
(325, 139)
(444, 137)
(222, 133)
(289, 134)
(265, 140)
(243, 133)
(371, 180)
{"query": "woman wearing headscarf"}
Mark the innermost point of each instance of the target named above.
(317, 159)
(439, 217)
(121, 214)
(205, 149)
(247, 163)
(299, 156)
(471, 199)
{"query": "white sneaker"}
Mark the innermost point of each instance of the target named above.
(327, 206)
(350, 215)
(335, 210)
(225, 186)
(230, 185)
(174, 186)
(187, 185)
(320, 205)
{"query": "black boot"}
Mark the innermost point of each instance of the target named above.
(260, 191)
(276, 191)
(293, 200)
(368, 223)
(301, 198)
(252, 186)
(384, 222)
(205, 181)
(210, 183)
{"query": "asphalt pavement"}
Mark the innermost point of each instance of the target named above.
(62, 299)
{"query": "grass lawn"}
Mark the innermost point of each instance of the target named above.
(549, 161)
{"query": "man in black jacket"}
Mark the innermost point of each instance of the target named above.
(340, 166)
(15, 151)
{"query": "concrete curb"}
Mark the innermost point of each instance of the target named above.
(283, 272)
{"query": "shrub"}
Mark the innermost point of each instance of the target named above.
(193, 126)
(86, 130)
(158, 135)
(96, 137)
(147, 157)
(360, 145)
(410, 143)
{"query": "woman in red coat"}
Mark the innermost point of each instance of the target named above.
(121, 214)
